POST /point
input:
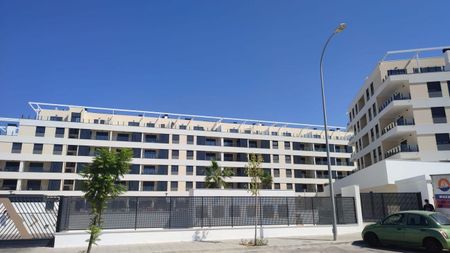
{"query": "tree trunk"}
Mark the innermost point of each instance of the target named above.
(91, 237)
(256, 219)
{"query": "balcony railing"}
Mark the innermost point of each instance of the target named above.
(398, 96)
(402, 122)
(401, 148)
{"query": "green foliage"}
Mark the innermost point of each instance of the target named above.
(215, 176)
(101, 185)
(258, 177)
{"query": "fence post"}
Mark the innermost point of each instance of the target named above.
(232, 212)
(382, 203)
(136, 213)
(312, 209)
(170, 212)
(60, 214)
(287, 211)
(202, 213)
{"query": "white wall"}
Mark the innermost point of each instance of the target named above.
(387, 173)
(145, 236)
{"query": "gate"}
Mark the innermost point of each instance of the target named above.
(28, 220)
(375, 206)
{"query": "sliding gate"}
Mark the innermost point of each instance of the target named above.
(28, 220)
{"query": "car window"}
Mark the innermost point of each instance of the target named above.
(441, 219)
(416, 220)
(395, 219)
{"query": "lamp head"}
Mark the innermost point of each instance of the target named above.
(340, 28)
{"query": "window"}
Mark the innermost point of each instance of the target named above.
(190, 154)
(367, 94)
(174, 170)
(287, 145)
(75, 117)
(438, 114)
(73, 133)
(190, 139)
(275, 144)
(416, 220)
(276, 186)
(136, 153)
(102, 136)
(288, 173)
(174, 186)
(133, 185)
(40, 131)
(288, 159)
(199, 128)
(289, 186)
(175, 154)
(374, 110)
(150, 124)
(36, 167)
(276, 172)
(135, 169)
(37, 149)
(434, 89)
(59, 132)
(372, 89)
(132, 123)
(175, 139)
(57, 149)
(395, 219)
(122, 137)
(136, 137)
(189, 170)
(16, 147)
(85, 134)
(12, 166)
(200, 185)
(56, 167)
(189, 186)
(443, 141)
(276, 158)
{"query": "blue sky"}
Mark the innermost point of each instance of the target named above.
(234, 58)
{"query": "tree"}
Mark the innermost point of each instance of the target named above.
(215, 176)
(101, 185)
(258, 178)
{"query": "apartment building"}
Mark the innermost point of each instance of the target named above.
(402, 111)
(170, 151)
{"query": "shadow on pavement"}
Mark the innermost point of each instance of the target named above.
(392, 248)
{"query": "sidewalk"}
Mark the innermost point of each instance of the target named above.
(275, 244)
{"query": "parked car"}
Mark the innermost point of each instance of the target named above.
(429, 230)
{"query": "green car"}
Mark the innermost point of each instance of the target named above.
(429, 230)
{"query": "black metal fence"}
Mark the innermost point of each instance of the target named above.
(375, 206)
(25, 217)
(186, 212)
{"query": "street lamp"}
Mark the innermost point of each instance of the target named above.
(339, 29)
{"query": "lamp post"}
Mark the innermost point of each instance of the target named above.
(339, 29)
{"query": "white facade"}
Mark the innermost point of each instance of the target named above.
(44, 154)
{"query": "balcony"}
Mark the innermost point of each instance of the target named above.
(398, 96)
(400, 122)
(402, 148)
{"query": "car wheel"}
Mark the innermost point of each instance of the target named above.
(372, 239)
(432, 245)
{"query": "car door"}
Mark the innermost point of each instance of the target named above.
(391, 229)
(415, 229)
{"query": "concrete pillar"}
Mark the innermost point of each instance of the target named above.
(353, 191)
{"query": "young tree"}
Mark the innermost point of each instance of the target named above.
(258, 178)
(101, 184)
(215, 176)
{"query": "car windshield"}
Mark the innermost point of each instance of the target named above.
(441, 219)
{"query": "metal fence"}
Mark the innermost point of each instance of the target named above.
(186, 212)
(25, 217)
(375, 206)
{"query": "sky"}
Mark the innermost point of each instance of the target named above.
(256, 59)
